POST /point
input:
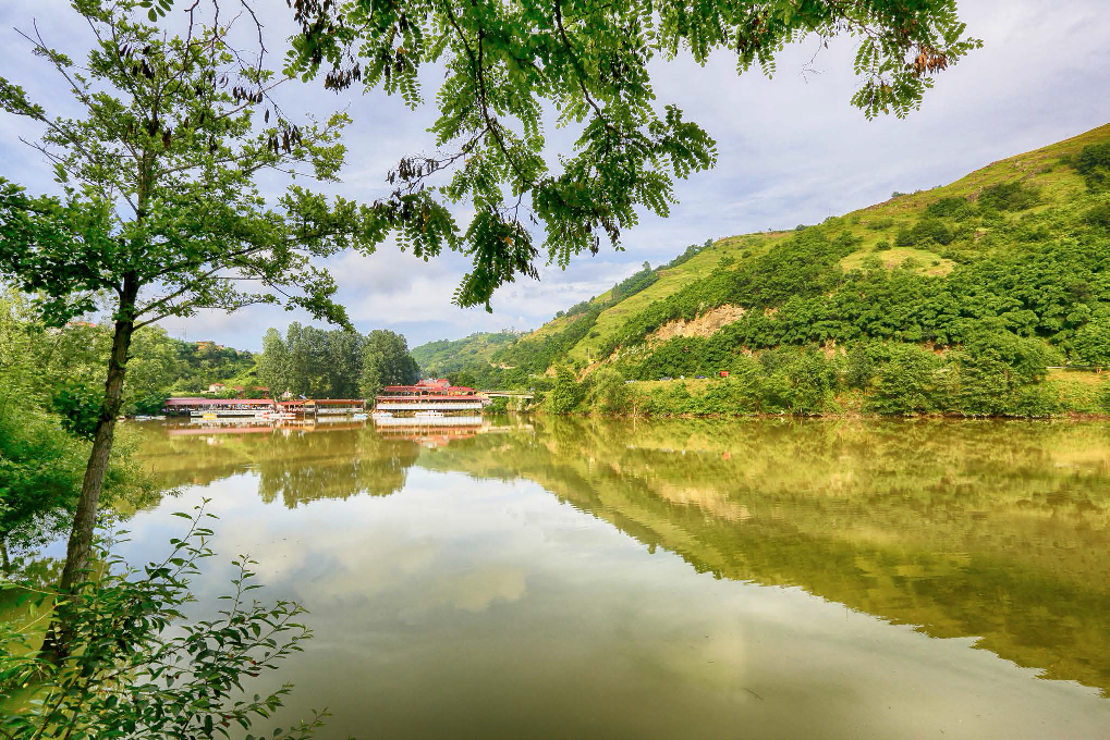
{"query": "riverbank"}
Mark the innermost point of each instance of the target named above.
(814, 392)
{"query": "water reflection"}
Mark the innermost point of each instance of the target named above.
(993, 532)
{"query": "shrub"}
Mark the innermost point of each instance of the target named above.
(1009, 196)
(812, 382)
(994, 367)
(951, 207)
(907, 382)
(1098, 216)
(609, 394)
(1094, 164)
(1092, 343)
(498, 405)
(880, 224)
(932, 229)
(1038, 400)
(566, 394)
(882, 246)
(134, 669)
(859, 366)
(905, 237)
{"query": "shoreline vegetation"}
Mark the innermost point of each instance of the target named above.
(806, 384)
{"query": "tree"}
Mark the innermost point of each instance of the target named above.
(508, 64)
(159, 208)
(907, 382)
(386, 361)
(1092, 342)
(566, 394)
(1094, 164)
(307, 359)
(464, 378)
(995, 366)
(344, 363)
(609, 392)
(273, 365)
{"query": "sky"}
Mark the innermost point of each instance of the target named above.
(791, 150)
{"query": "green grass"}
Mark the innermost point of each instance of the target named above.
(927, 263)
(671, 280)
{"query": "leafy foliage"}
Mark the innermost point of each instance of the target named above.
(506, 64)
(386, 361)
(137, 669)
(1094, 164)
(1009, 196)
(334, 364)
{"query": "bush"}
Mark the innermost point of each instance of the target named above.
(1009, 196)
(907, 382)
(41, 468)
(934, 230)
(567, 392)
(859, 367)
(880, 224)
(609, 393)
(1037, 401)
(950, 207)
(1094, 164)
(905, 237)
(1098, 216)
(1092, 343)
(133, 669)
(994, 367)
(882, 246)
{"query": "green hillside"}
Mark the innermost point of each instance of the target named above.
(445, 356)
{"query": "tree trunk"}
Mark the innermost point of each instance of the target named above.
(5, 559)
(84, 522)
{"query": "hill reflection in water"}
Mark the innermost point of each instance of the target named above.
(992, 531)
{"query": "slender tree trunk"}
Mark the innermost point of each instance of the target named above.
(84, 522)
(79, 550)
(5, 559)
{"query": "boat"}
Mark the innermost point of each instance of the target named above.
(358, 417)
(429, 415)
(276, 415)
(382, 415)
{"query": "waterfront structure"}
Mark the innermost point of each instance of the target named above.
(221, 408)
(335, 406)
(218, 407)
(433, 394)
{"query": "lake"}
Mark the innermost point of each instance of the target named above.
(562, 578)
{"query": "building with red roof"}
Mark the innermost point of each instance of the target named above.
(431, 394)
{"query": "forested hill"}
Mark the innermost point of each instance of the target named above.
(446, 356)
(1020, 248)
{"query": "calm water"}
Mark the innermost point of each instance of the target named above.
(573, 579)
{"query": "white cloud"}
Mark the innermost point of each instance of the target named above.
(791, 150)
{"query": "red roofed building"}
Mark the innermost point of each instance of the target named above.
(429, 395)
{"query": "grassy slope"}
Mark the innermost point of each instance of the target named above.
(1037, 167)
(671, 280)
